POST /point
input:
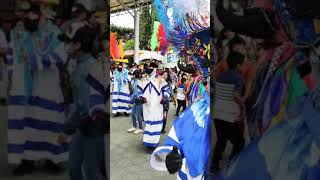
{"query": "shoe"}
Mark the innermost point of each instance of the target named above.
(163, 131)
(26, 167)
(138, 131)
(133, 129)
(53, 167)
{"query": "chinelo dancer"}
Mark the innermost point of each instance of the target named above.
(173, 156)
(275, 152)
(191, 128)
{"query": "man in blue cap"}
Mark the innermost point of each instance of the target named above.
(87, 122)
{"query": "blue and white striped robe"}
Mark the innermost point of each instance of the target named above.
(17, 99)
(121, 102)
(190, 133)
(153, 90)
(33, 133)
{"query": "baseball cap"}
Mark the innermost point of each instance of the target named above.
(83, 6)
(71, 32)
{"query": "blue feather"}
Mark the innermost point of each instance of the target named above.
(162, 15)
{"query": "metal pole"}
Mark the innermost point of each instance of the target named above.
(136, 34)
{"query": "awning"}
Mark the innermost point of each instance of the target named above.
(123, 5)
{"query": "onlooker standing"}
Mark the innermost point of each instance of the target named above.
(181, 96)
(136, 112)
(229, 109)
(166, 105)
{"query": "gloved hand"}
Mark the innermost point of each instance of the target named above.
(102, 121)
(162, 101)
(143, 100)
(174, 161)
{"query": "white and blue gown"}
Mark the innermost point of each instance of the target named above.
(190, 133)
(121, 102)
(33, 133)
(17, 96)
(153, 89)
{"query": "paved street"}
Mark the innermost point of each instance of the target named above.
(129, 158)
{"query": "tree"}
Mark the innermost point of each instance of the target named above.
(122, 32)
(145, 30)
(129, 45)
(154, 16)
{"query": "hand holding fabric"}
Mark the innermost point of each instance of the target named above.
(62, 139)
(174, 161)
(162, 101)
(143, 100)
(100, 118)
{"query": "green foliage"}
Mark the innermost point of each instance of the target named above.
(129, 45)
(122, 32)
(145, 30)
(154, 16)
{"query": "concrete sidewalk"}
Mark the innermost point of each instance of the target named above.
(129, 158)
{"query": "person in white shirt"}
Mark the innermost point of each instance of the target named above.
(181, 96)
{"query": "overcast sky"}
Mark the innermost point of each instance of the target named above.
(125, 20)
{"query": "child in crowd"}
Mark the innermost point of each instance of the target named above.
(229, 109)
(181, 96)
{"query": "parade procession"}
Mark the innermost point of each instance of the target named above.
(160, 89)
(55, 91)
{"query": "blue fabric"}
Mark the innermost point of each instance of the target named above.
(122, 101)
(121, 93)
(136, 90)
(121, 78)
(288, 151)
(153, 122)
(182, 86)
(87, 153)
(80, 92)
(182, 175)
(95, 84)
(152, 133)
(37, 146)
(51, 42)
(37, 124)
(232, 77)
(121, 107)
(136, 114)
(96, 100)
(275, 99)
(46, 104)
(192, 128)
(18, 100)
(150, 144)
